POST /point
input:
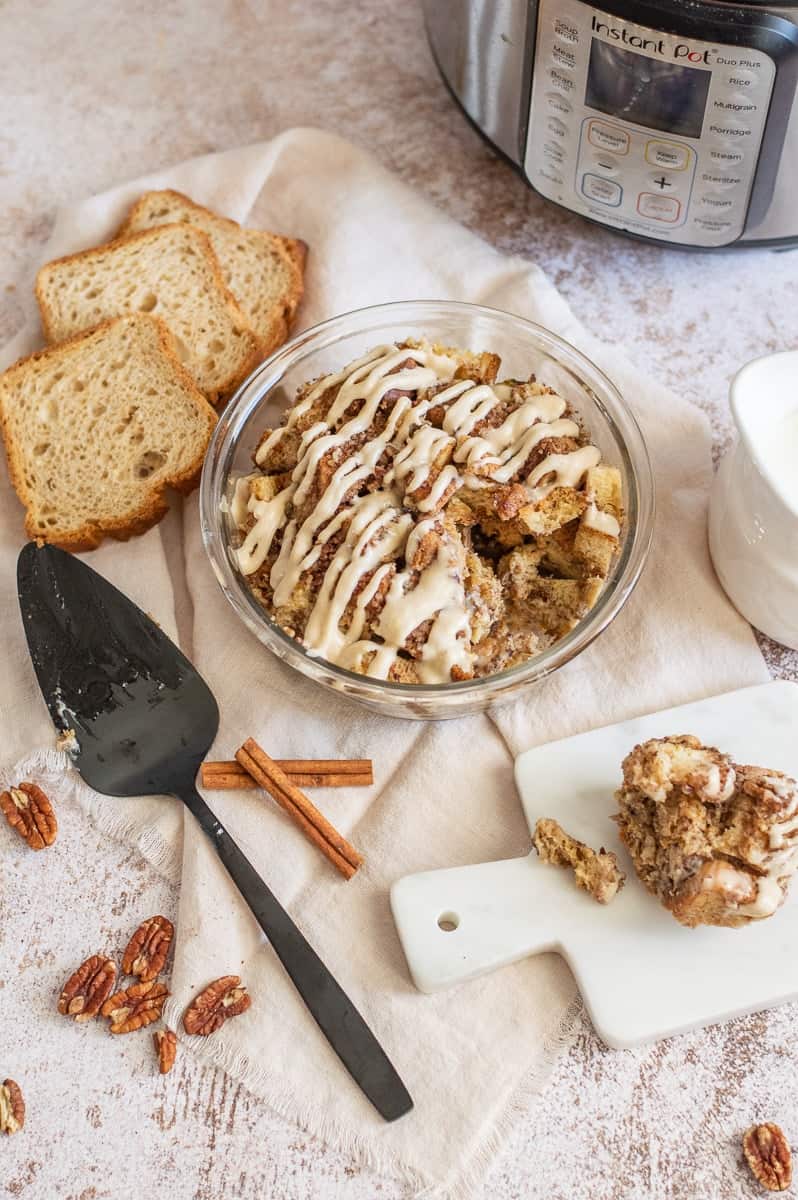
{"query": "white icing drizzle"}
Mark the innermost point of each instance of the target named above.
(438, 593)
(779, 833)
(769, 896)
(711, 786)
(411, 466)
(507, 447)
(447, 477)
(721, 875)
(307, 402)
(376, 529)
(561, 470)
(783, 787)
(595, 518)
(781, 862)
(269, 516)
(379, 530)
(238, 503)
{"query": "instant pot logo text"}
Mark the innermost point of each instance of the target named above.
(682, 50)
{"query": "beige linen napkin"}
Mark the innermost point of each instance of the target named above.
(444, 793)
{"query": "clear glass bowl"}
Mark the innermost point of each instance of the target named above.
(524, 348)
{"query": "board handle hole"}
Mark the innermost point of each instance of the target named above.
(448, 922)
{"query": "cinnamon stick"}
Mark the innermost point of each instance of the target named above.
(304, 772)
(268, 775)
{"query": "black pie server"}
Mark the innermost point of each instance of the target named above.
(144, 721)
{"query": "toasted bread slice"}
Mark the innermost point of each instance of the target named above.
(170, 272)
(98, 427)
(263, 271)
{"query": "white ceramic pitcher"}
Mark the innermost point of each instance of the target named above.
(753, 518)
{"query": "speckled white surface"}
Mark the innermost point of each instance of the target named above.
(92, 94)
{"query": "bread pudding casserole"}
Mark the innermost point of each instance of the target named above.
(414, 519)
(714, 841)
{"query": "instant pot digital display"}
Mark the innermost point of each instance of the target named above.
(659, 95)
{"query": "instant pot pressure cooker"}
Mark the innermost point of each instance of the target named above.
(676, 122)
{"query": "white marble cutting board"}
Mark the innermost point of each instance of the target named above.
(642, 975)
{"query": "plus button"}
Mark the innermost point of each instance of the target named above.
(663, 183)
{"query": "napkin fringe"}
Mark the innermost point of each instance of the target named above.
(465, 1182)
(284, 1102)
(54, 770)
(468, 1182)
(148, 842)
(47, 767)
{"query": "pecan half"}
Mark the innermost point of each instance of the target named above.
(12, 1107)
(148, 948)
(136, 1007)
(165, 1043)
(28, 810)
(768, 1155)
(86, 991)
(217, 1003)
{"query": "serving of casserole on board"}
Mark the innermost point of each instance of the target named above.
(641, 974)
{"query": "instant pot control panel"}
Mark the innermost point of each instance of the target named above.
(655, 133)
